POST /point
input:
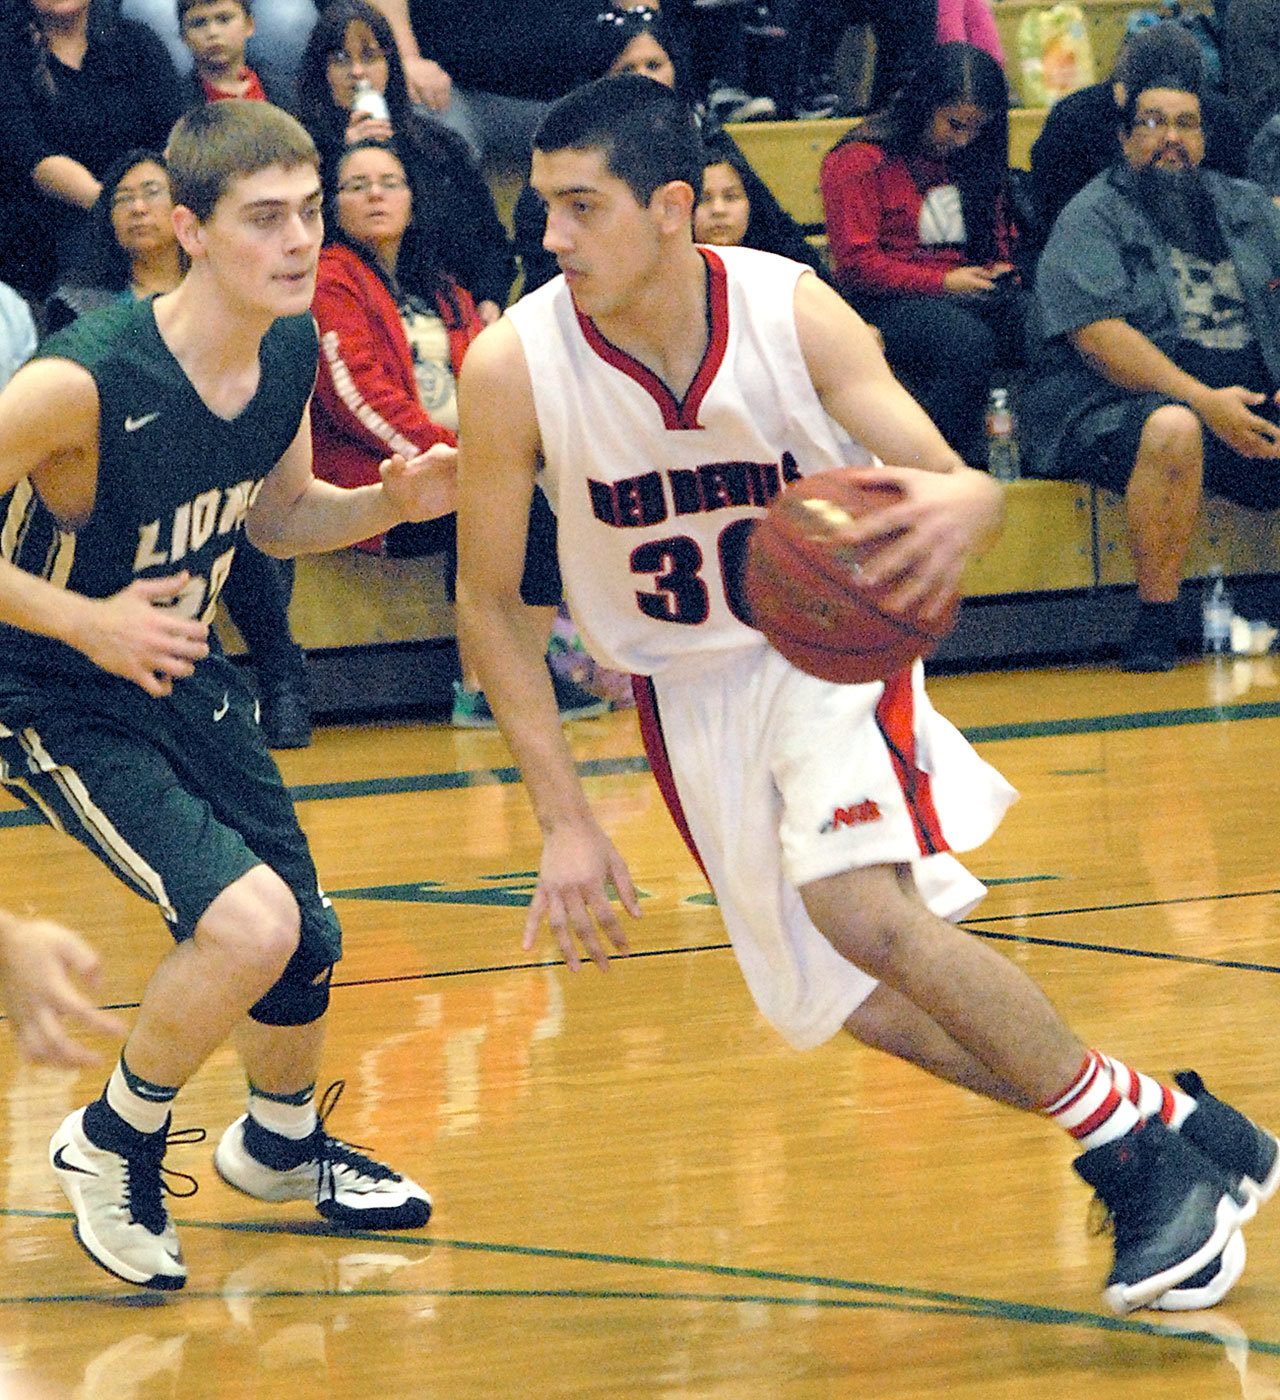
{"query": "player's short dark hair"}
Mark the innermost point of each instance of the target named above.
(220, 141)
(646, 134)
(185, 5)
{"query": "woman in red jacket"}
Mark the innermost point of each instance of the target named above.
(916, 206)
(393, 330)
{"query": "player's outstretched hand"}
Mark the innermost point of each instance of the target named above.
(930, 525)
(135, 634)
(425, 486)
(43, 969)
(578, 866)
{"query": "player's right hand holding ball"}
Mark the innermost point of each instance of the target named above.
(930, 528)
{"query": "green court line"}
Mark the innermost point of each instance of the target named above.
(609, 767)
(897, 1297)
(1109, 724)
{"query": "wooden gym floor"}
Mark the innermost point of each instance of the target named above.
(640, 1190)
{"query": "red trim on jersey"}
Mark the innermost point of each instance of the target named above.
(895, 716)
(655, 748)
(677, 415)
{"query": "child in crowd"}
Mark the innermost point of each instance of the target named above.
(217, 32)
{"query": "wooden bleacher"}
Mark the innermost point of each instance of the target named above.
(380, 632)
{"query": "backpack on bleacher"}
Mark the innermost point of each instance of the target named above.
(1055, 56)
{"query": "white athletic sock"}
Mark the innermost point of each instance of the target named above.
(1150, 1097)
(1092, 1109)
(282, 1115)
(143, 1105)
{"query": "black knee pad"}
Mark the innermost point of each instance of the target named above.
(300, 996)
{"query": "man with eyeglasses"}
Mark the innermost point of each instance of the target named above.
(1081, 137)
(1157, 303)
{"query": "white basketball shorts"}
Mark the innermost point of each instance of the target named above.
(776, 779)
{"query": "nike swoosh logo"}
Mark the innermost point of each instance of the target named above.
(131, 424)
(63, 1165)
(222, 709)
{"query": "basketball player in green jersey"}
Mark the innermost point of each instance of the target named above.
(135, 449)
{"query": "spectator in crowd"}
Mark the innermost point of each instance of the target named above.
(81, 87)
(281, 28)
(1264, 157)
(735, 206)
(831, 69)
(394, 326)
(130, 251)
(1160, 358)
(1081, 136)
(918, 227)
(970, 22)
(640, 40)
(905, 35)
(17, 333)
(713, 34)
(352, 45)
(1251, 55)
(217, 33)
(488, 68)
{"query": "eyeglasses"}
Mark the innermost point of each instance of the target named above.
(344, 62)
(362, 184)
(1157, 121)
(151, 192)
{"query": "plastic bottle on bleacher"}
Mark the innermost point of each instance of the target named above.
(1002, 441)
(1215, 613)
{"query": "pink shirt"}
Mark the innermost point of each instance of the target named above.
(970, 22)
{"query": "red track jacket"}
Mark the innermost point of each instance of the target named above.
(366, 400)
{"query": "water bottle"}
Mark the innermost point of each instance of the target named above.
(1002, 444)
(1216, 613)
(369, 99)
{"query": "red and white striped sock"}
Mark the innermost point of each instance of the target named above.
(1149, 1096)
(1092, 1109)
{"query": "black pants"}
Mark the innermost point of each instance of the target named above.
(945, 350)
(256, 595)
(540, 586)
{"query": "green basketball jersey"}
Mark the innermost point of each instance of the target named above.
(175, 481)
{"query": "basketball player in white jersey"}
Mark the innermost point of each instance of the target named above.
(661, 393)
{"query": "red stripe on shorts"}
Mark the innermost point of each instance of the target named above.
(655, 748)
(896, 718)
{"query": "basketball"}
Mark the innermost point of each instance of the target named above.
(804, 590)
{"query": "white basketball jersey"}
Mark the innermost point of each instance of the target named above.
(652, 494)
